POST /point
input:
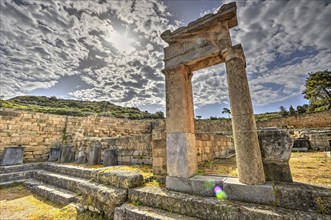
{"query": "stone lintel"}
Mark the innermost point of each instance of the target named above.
(200, 50)
(234, 52)
(181, 155)
(263, 194)
(226, 14)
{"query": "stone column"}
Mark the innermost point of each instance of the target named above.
(248, 155)
(181, 150)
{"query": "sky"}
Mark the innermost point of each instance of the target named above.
(111, 50)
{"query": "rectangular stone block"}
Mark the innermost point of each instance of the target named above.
(197, 185)
(263, 194)
(181, 155)
(110, 157)
(54, 154)
(158, 161)
(12, 156)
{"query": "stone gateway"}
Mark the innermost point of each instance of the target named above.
(203, 43)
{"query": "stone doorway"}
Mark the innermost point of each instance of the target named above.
(204, 43)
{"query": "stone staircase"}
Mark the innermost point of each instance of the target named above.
(99, 190)
(121, 195)
(152, 203)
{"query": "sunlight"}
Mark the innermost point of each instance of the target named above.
(122, 42)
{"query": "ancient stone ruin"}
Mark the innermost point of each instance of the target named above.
(201, 44)
(173, 148)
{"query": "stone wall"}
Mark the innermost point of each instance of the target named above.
(212, 126)
(38, 132)
(308, 120)
(210, 146)
(319, 139)
(136, 149)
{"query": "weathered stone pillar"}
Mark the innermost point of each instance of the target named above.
(248, 155)
(181, 150)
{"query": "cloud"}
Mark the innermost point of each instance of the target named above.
(283, 41)
(116, 49)
(114, 46)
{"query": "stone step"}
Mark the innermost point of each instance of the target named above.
(212, 208)
(19, 168)
(303, 197)
(15, 176)
(52, 193)
(95, 196)
(118, 178)
(69, 170)
(131, 212)
(13, 182)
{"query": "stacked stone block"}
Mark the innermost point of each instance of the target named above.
(210, 146)
(39, 132)
(134, 149)
(35, 131)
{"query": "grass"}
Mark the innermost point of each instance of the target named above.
(311, 168)
(145, 170)
(17, 203)
(226, 167)
(53, 105)
(306, 167)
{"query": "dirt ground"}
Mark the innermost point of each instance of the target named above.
(17, 203)
(306, 167)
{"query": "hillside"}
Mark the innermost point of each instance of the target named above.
(53, 105)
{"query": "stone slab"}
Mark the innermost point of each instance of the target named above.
(303, 197)
(67, 154)
(8, 177)
(296, 149)
(128, 211)
(263, 194)
(110, 157)
(54, 194)
(119, 178)
(212, 208)
(21, 167)
(197, 185)
(279, 172)
(94, 154)
(12, 156)
(81, 157)
(54, 154)
(181, 155)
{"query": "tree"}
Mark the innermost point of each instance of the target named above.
(198, 116)
(226, 110)
(318, 89)
(283, 111)
(159, 114)
(302, 109)
(291, 110)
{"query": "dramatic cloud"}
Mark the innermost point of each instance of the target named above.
(114, 49)
(283, 41)
(114, 46)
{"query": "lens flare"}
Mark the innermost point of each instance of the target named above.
(220, 194)
(209, 185)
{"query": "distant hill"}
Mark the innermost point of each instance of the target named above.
(258, 117)
(53, 105)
